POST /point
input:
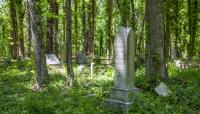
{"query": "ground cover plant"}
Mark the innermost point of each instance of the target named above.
(88, 94)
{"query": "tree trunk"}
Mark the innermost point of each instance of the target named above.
(39, 57)
(14, 30)
(68, 42)
(109, 11)
(52, 28)
(83, 27)
(192, 19)
(93, 3)
(76, 24)
(28, 32)
(167, 32)
(21, 14)
(124, 11)
(63, 44)
(155, 62)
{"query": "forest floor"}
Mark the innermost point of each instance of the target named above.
(88, 94)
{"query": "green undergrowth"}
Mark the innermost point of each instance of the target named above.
(88, 94)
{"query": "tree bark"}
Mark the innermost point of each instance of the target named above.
(109, 11)
(70, 71)
(83, 27)
(155, 61)
(28, 31)
(14, 30)
(21, 14)
(39, 57)
(52, 28)
(192, 20)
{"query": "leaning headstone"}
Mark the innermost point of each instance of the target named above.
(124, 91)
(163, 90)
(51, 59)
(81, 58)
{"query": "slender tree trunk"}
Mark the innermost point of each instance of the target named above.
(68, 42)
(76, 24)
(155, 61)
(39, 57)
(93, 3)
(167, 32)
(192, 19)
(109, 11)
(63, 50)
(28, 32)
(89, 29)
(21, 14)
(14, 30)
(52, 28)
(124, 10)
(83, 27)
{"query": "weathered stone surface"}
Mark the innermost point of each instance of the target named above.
(51, 59)
(81, 58)
(80, 69)
(124, 90)
(163, 90)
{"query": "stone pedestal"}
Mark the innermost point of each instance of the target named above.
(124, 91)
(121, 99)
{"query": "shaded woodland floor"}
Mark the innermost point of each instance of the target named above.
(88, 94)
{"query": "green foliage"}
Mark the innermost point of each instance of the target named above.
(88, 94)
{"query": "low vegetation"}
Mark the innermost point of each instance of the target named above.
(88, 94)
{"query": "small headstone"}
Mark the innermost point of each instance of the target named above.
(163, 90)
(124, 91)
(80, 69)
(81, 58)
(51, 59)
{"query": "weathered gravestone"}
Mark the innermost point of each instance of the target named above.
(124, 91)
(81, 58)
(163, 90)
(51, 59)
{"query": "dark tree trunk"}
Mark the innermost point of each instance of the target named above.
(52, 28)
(109, 11)
(93, 3)
(89, 29)
(155, 61)
(28, 32)
(14, 30)
(192, 19)
(83, 27)
(39, 57)
(21, 13)
(167, 31)
(63, 50)
(124, 8)
(76, 24)
(68, 42)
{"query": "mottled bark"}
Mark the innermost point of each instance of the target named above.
(28, 32)
(70, 71)
(14, 30)
(83, 27)
(76, 25)
(109, 10)
(155, 61)
(52, 28)
(39, 57)
(192, 21)
(124, 9)
(21, 14)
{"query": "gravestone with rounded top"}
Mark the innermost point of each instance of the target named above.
(124, 91)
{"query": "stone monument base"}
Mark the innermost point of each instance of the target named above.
(121, 99)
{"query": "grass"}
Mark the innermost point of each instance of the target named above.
(88, 94)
